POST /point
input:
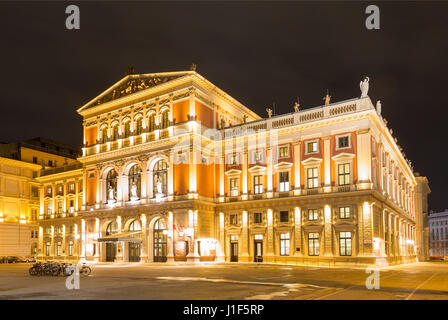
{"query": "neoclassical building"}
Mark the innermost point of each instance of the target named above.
(175, 169)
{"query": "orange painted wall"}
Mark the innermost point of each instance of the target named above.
(205, 180)
(91, 135)
(204, 114)
(181, 175)
(181, 111)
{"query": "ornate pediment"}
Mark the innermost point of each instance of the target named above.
(133, 83)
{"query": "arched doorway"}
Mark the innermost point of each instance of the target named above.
(134, 246)
(111, 247)
(160, 241)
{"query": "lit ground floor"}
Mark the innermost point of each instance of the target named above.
(230, 281)
(17, 239)
(354, 229)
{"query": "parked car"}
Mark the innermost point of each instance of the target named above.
(11, 259)
(30, 259)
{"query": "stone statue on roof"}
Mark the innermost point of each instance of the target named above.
(378, 107)
(326, 99)
(296, 106)
(364, 86)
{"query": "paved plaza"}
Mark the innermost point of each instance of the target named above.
(427, 280)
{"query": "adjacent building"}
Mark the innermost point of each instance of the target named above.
(175, 169)
(20, 165)
(438, 231)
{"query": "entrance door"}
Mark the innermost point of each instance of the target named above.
(258, 250)
(160, 242)
(134, 251)
(111, 251)
(233, 251)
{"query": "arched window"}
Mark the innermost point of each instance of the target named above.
(111, 184)
(112, 228)
(160, 175)
(135, 174)
(127, 129)
(135, 226)
(139, 125)
(152, 122)
(104, 135)
(159, 225)
(165, 121)
(115, 132)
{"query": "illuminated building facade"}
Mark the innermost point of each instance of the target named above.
(20, 165)
(438, 230)
(175, 169)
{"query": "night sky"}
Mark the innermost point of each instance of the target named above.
(258, 52)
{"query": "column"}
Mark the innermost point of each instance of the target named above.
(244, 169)
(244, 240)
(297, 157)
(328, 251)
(270, 235)
(144, 252)
(221, 252)
(298, 232)
(364, 158)
(193, 255)
(327, 164)
(170, 242)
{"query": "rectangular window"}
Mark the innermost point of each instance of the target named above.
(311, 147)
(312, 178)
(48, 191)
(258, 157)
(233, 219)
(34, 191)
(60, 203)
(313, 215)
(345, 243)
(258, 218)
(234, 187)
(32, 234)
(72, 206)
(233, 159)
(258, 184)
(283, 152)
(33, 214)
(70, 248)
(58, 249)
(343, 142)
(313, 244)
(344, 174)
(284, 216)
(50, 163)
(71, 187)
(48, 209)
(60, 189)
(284, 181)
(47, 248)
(284, 244)
(344, 212)
(34, 159)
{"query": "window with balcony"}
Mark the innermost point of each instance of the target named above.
(115, 132)
(313, 244)
(103, 135)
(284, 244)
(344, 174)
(284, 181)
(344, 213)
(345, 243)
(139, 126)
(234, 190)
(313, 215)
(152, 122)
(165, 120)
(312, 178)
(258, 184)
(127, 129)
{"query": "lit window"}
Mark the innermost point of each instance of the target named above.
(258, 156)
(49, 191)
(344, 212)
(345, 243)
(312, 178)
(284, 181)
(283, 152)
(234, 187)
(313, 214)
(70, 248)
(60, 206)
(72, 206)
(343, 142)
(233, 219)
(233, 159)
(313, 244)
(344, 174)
(60, 188)
(48, 209)
(47, 248)
(71, 187)
(311, 147)
(258, 184)
(284, 244)
(284, 216)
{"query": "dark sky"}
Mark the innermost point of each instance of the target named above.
(258, 52)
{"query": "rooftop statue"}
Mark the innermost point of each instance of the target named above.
(378, 107)
(364, 86)
(269, 111)
(327, 99)
(296, 106)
